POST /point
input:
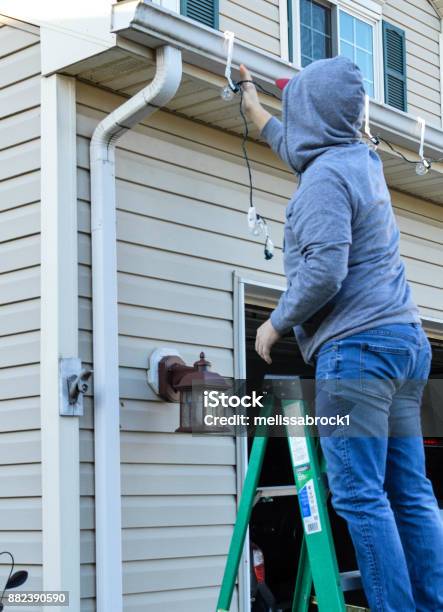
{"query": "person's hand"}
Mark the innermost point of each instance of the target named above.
(266, 337)
(254, 111)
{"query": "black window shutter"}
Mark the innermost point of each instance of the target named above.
(394, 60)
(204, 11)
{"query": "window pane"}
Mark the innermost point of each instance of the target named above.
(363, 35)
(315, 31)
(346, 27)
(356, 43)
(347, 50)
(320, 46)
(320, 20)
(306, 41)
(364, 62)
(369, 88)
(305, 12)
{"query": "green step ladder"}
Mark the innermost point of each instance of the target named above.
(317, 565)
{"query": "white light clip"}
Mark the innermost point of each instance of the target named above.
(422, 123)
(229, 47)
(373, 139)
(423, 166)
(367, 128)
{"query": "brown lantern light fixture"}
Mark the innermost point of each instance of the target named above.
(178, 382)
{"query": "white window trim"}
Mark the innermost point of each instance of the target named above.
(370, 13)
(171, 5)
(377, 42)
(284, 29)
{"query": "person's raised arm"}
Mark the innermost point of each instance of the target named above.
(270, 127)
(254, 111)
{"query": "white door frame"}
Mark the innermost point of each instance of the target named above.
(271, 293)
(248, 290)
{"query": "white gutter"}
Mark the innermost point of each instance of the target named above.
(151, 25)
(105, 320)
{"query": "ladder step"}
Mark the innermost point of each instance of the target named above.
(349, 607)
(277, 491)
(351, 581)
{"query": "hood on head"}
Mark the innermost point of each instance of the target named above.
(322, 107)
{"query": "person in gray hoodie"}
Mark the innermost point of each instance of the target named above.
(351, 309)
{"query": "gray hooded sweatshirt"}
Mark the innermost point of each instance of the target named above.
(341, 241)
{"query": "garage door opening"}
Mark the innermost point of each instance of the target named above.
(275, 525)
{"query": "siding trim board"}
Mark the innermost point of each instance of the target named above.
(59, 337)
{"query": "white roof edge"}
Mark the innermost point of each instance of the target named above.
(151, 25)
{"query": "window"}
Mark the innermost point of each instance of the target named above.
(356, 42)
(330, 28)
(315, 25)
(204, 11)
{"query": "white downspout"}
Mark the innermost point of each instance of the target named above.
(105, 321)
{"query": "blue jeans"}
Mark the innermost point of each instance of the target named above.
(376, 464)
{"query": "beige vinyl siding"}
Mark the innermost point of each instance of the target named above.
(182, 231)
(256, 22)
(421, 227)
(20, 453)
(421, 24)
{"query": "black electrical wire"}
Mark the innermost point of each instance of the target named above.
(431, 160)
(237, 89)
(6, 552)
(257, 86)
(244, 148)
(375, 139)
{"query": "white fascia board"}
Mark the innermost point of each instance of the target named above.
(151, 25)
(70, 31)
(61, 48)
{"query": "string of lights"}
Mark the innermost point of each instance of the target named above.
(256, 222)
(375, 140)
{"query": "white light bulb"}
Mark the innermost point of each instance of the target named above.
(269, 249)
(253, 221)
(422, 167)
(373, 143)
(227, 94)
